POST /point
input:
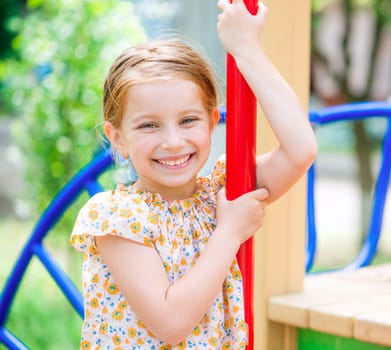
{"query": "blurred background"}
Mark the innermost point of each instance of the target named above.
(54, 55)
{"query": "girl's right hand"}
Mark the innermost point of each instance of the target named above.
(243, 216)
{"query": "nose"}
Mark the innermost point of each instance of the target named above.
(173, 139)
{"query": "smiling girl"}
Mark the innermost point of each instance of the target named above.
(160, 269)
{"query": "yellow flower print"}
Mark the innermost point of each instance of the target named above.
(227, 345)
(242, 345)
(186, 240)
(137, 200)
(94, 303)
(140, 341)
(93, 250)
(219, 332)
(212, 341)
(105, 226)
(183, 262)
(206, 210)
(95, 278)
(103, 328)
(153, 219)
(122, 305)
(196, 234)
(187, 203)
(148, 242)
(220, 306)
(117, 315)
(236, 275)
(116, 340)
(196, 331)
(135, 227)
(235, 308)
(180, 232)
(182, 345)
(167, 267)
(125, 213)
(174, 209)
(165, 347)
(242, 326)
(112, 289)
(85, 344)
(229, 287)
(229, 322)
(93, 214)
(132, 332)
(140, 324)
(174, 244)
(161, 239)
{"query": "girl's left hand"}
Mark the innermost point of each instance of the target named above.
(237, 28)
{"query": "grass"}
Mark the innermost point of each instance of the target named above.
(40, 315)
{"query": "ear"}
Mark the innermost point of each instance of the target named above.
(215, 117)
(114, 136)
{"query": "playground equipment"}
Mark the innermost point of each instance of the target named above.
(241, 177)
(87, 180)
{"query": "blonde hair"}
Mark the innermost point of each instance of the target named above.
(159, 59)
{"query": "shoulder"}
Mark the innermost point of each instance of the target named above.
(118, 213)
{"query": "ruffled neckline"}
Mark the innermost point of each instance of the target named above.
(201, 193)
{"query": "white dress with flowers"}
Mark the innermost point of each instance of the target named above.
(179, 231)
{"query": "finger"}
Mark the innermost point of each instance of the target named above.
(221, 193)
(223, 4)
(260, 194)
(262, 9)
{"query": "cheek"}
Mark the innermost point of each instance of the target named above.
(141, 145)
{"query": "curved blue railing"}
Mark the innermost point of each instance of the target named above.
(86, 180)
(354, 112)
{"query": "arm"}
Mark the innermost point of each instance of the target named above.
(279, 169)
(171, 310)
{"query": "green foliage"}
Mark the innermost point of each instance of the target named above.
(64, 49)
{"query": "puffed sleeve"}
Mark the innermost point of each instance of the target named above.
(116, 213)
(217, 176)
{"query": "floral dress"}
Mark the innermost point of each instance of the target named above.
(179, 231)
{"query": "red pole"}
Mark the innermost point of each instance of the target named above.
(241, 151)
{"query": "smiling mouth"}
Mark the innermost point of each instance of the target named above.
(174, 162)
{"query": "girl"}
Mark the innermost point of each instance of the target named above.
(160, 269)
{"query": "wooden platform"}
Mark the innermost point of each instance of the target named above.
(351, 304)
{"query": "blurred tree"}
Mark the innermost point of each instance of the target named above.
(351, 58)
(63, 48)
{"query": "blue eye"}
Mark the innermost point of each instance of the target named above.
(188, 120)
(147, 126)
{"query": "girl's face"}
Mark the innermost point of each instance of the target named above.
(166, 132)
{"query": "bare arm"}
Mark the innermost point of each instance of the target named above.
(279, 169)
(171, 310)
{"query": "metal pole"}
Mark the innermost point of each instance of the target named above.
(241, 152)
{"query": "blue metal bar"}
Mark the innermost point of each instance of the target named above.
(11, 341)
(48, 219)
(61, 278)
(354, 112)
(311, 219)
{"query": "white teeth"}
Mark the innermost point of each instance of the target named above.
(174, 162)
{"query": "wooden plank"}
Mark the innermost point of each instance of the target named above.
(350, 304)
(339, 318)
(374, 327)
(279, 246)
